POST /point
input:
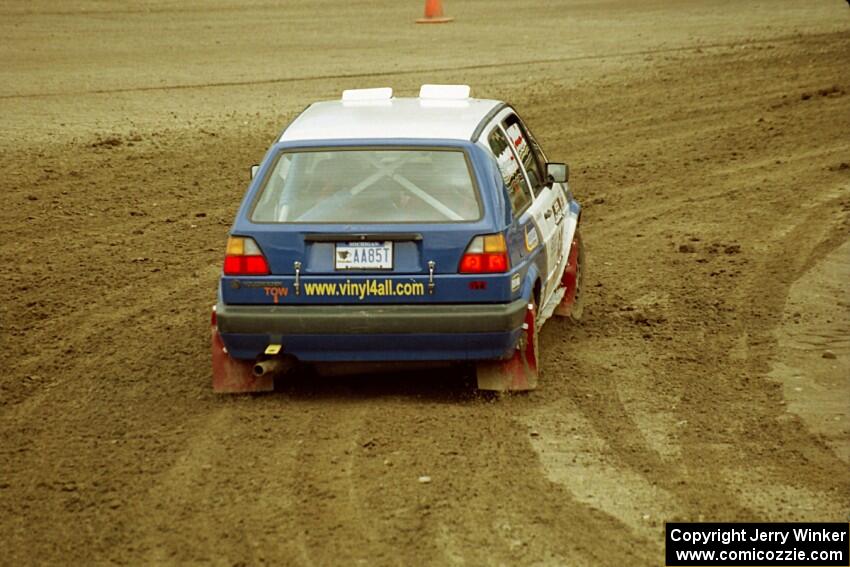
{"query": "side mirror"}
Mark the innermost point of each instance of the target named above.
(254, 170)
(558, 172)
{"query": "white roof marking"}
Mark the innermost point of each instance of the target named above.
(383, 93)
(453, 92)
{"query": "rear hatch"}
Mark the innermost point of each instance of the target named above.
(350, 225)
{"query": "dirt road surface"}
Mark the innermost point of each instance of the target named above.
(710, 143)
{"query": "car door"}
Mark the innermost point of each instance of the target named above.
(547, 208)
(516, 183)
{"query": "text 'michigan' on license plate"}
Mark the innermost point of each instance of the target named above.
(364, 255)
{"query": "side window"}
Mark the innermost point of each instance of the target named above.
(524, 145)
(511, 173)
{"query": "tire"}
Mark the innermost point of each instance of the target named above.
(572, 304)
(520, 372)
(581, 267)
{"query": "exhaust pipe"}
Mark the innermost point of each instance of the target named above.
(272, 366)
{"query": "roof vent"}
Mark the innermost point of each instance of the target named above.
(384, 93)
(445, 92)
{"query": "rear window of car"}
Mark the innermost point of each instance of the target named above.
(368, 186)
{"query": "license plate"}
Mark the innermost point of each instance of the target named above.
(364, 256)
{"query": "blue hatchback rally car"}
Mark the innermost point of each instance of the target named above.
(382, 229)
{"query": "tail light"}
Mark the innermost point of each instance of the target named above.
(244, 258)
(487, 254)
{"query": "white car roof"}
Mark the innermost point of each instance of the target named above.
(413, 118)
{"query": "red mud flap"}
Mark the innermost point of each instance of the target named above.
(571, 305)
(231, 376)
(518, 373)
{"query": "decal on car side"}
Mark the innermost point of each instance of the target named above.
(532, 239)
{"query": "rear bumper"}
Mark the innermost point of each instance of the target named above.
(374, 332)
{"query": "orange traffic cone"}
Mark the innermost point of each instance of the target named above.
(433, 13)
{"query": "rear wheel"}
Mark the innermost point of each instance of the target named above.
(572, 304)
(519, 372)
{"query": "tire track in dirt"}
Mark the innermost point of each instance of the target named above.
(326, 476)
(423, 71)
(813, 343)
(821, 227)
(802, 490)
(237, 484)
(530, 521)
(347, 473)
